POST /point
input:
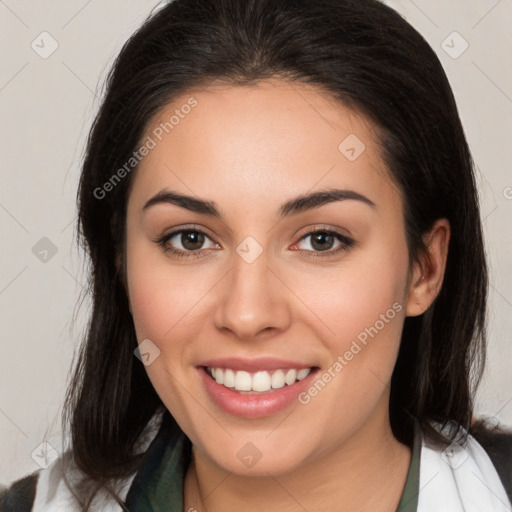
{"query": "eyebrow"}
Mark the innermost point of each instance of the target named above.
(294, 206)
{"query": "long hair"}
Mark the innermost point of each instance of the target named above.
(368, 57)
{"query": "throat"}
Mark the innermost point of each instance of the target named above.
(379, 485)
(192, 499)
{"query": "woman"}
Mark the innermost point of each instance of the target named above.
(287, 270)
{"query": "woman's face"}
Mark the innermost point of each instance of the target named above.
(265, 290)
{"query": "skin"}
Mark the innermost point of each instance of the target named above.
(249, 149)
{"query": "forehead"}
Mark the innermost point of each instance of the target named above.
(263, 141)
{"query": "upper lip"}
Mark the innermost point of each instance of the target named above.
(253, 365)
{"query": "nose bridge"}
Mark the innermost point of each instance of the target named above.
(252, 299)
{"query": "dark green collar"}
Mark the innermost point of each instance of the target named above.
(158, 485)
(409, 500)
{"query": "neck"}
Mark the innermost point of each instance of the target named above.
(366, 473)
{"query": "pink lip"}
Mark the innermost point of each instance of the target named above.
(254, 365)
(254, 406)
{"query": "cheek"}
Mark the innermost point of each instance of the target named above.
(150, 298)
(164, 310)
(361, 309)
(344, 302)
(162, 300)
(165, 306)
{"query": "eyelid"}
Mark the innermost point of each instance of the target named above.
(163, 241)
(304, 232)
(325, 227)
(346, 241)
(188, 227)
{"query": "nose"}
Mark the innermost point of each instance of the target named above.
(253, 300)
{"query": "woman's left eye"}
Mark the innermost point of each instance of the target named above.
(192, 240)
(322, 241)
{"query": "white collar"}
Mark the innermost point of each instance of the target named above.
(459, 479)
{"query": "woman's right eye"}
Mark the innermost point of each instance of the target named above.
(191, 241)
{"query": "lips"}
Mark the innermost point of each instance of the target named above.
(254, 388)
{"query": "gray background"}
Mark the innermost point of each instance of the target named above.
(46, 108)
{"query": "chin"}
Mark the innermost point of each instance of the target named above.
(259, 457)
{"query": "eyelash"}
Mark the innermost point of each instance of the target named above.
(346, 243)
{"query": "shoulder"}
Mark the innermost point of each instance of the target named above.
(496, 437)
(20, 495)
(461, 472)
(496, 440)
(42, 490)
(47, 490)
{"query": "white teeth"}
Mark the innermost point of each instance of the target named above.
(219, 376)
(259, 381)
(243, 381)
(302, 374)
(278, 379)
(229, 378)
(291, 377)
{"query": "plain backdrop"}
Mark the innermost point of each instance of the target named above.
(47, 103)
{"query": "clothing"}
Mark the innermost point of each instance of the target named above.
(153, 490)
(409, 499)
(464, 480)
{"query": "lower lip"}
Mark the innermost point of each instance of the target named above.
(254, 406)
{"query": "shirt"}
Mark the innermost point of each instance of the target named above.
(158, 485)
(477, 478)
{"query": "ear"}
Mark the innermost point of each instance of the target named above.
(427, 277)
(121, 272)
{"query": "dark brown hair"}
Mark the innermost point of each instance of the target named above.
(369, 58)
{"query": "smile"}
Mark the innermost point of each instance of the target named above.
(254, 389)
(259, 381)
